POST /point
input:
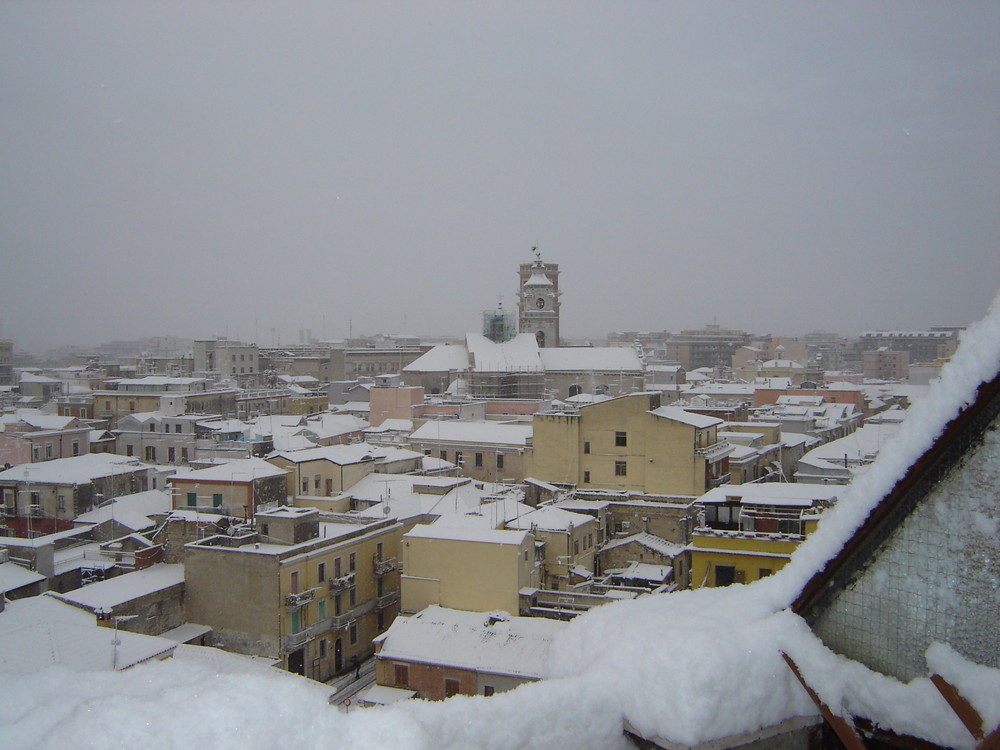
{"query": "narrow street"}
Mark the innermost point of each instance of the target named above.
(348, 687)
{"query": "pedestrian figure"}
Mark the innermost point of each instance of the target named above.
(357, 666)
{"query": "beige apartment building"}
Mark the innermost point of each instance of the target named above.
(467, 566)
(309, 593)
(570, 541)
(630, 444)
(487, 451)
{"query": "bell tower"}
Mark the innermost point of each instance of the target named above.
(538, 300)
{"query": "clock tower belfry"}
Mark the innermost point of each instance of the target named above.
(538, 300)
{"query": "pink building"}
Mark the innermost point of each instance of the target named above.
(28, 436)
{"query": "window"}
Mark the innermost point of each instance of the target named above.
(352, 562)
(61, 502)
(322, 648)
(352, 633)
(620, 469)
(352, 597)
(295, 621)
(316, 480)
(305, 484)
(499, 460)
(380, 620)
(576, 546)
(322, 609)
(458, 457)
(451, 688)
(48, 450)
(621, 439)
(171, 454)
(479, 459)
(586, 446)
(295, 582)
(336, 568)
(379, 550)
(217, 500)
(36, 453)
(152, 426)
(76, 447)
(764, 572)
(321, 572)
(336, 606)
(586, 477)
(177, 428)
(444, 455)
(192, 499)
(725, 575)
(265, 529)
(184, 455)
(150, 452)
(488, 690)
(402, 675)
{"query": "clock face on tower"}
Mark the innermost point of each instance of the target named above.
(540, 303)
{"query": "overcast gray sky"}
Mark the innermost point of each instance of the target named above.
(201, 168)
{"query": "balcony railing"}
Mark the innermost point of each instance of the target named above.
(385, 565)
(718, 481)
(293, 601)
(294, 640)
(715, 451)
(387, 600)
(342, 582)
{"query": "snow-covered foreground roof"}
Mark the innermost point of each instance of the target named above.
(690, 667)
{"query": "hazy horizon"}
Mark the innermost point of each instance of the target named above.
(202, 169)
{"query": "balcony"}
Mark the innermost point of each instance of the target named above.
(715, 451)
(385, 565)
(711, 484)
(294, 640)
(387, 600)
(339, 622)
(293, 601)
(342, 582)
(8, 510)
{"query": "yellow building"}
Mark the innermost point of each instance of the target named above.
(312, 595)
(466, 566)
(630, 444)
(750, 531)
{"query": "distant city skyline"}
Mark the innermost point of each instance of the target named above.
(201, 169)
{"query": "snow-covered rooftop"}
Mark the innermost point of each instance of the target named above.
(40, 632)
(484, 433)
(678, 414)
(236, 470)
(550, 518)
(125, 588)
(591, 359)
(73, 470)
(13, 576)
(495, 643)
(774, 493)
(131, 511)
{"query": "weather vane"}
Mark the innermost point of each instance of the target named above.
(538, 255)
